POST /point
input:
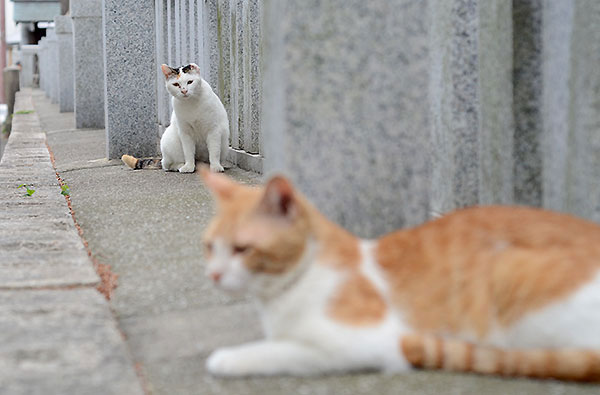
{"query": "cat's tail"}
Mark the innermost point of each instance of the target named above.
(142, 163)
(432, 352)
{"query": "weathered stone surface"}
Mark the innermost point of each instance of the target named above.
(346, 116)
(61, 342)
(88, 63)
(495, 101)
(130, 61)
(571, 107)
(64, 33)
(51, 62)
(527, 96)
(29, 66)
(39, 245)
(454, 110)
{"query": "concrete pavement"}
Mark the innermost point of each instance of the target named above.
(147, 226)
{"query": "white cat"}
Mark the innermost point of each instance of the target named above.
(199, 122)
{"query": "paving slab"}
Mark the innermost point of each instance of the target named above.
(61, 342)
(57, 333)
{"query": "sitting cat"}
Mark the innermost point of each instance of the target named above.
(198, 122)
(497, 290)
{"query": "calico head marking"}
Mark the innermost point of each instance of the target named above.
(258, 234)
(182, 82)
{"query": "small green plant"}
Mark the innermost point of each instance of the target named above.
(29, 191)
(24, 112)
(65, 190)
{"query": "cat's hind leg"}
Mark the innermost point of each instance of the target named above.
(169, 165)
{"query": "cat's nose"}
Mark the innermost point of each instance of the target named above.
(215, 276)
(184, 91)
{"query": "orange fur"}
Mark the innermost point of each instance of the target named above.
(482, 265)
(565, 364)
(357, 303)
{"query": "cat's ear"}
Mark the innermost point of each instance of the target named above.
(279, 198)
(168, 71)
(221, 186)
(195, 68)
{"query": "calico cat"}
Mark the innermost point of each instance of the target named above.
(500, 290)
(198, 123)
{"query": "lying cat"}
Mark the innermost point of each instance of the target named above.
(198, 122)
(497, 290)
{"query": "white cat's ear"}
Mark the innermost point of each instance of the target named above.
(279, 198)
(221, 186)
(195, 67)
(168, 71)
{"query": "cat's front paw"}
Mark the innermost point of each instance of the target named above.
(187, 168)
(216, 168)
(224, 362)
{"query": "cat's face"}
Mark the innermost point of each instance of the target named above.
(258, 235)
(183, 82)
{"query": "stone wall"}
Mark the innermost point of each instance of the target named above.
(385, 113)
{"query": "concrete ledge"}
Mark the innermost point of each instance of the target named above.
(57, 334)
(39, 244)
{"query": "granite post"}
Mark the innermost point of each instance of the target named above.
(42, 63)
(130, 78)
(87, 63)
(29, 66)
(64, 33)
(52, 65)
(11, 86)
(571, 107)
(527, 99)
(385, 113)
(345, 107)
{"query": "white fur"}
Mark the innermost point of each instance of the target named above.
(301, 338)
(199, 124)
(571, 322)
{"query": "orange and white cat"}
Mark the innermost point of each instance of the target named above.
(496, 290)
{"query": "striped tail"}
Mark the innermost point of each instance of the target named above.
(564, 364)
(142, 163)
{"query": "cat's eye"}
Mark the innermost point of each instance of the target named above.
(176, 84)
(240, 249)
(189, 82)
(208, 247)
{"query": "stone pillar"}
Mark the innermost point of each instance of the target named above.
(29, 66)
(386, 112)
(495, 98)
(52, 65)
(454, 111)
(527, 96)
(88, 63)
(11, 86)
(64, 33)
(130, 75)
(42, 64)
(571, 107)
(345, 107)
